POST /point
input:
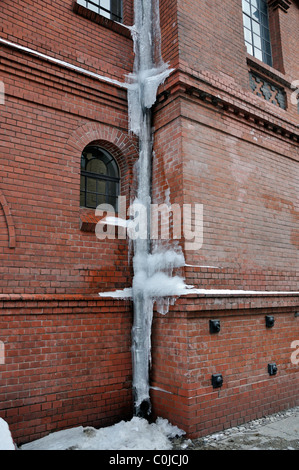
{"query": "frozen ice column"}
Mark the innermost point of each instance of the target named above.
(149, 71)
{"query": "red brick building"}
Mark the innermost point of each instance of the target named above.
(225, 136)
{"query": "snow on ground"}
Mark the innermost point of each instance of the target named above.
(136, 434)
(6, 442)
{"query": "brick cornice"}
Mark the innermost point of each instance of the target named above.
(284, 5)
(241, 104)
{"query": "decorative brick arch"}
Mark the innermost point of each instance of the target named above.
(9, 221)
(122, 146)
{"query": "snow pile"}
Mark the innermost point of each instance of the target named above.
(136, 434)
(6, 442)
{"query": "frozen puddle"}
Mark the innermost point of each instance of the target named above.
(136, 434)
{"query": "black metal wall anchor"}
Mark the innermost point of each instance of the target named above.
(272, 368)
(270, 320)
(217, 380)
(214, 326)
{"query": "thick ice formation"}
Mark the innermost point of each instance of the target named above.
(149, 72)
(153, 280)
(142, 92)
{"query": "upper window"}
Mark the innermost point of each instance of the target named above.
(256, 29)
(111, 9)
(99, 178)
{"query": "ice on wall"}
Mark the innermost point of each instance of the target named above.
(153, 280)
(148, 73)
(154, 275)
(149, 69)
(142, 92)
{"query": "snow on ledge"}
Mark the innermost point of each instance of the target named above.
(126, 293)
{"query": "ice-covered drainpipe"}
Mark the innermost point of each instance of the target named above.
(149, 72)
(142, 305)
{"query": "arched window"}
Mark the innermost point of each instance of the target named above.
(99, 178)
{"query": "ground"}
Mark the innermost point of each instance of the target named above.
(276, 432)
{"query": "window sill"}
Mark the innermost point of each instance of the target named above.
(88, 220)
(101, 20)
(268, 71)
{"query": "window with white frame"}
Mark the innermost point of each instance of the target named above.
(256, 29)
(111, 9)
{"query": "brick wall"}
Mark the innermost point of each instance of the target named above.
(249, 200)
(60, 32)
(284, 26)
(186, 354)
(216, 143)
(46, 125)
(67, 363)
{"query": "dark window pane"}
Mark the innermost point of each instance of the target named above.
(91, 200)
(266, 47)
(101, 187)
(91, 185)
(82, 198)
(255, 13)
(99, 177)
(268, 59)
(112, 169)
(263, 6)
(112, 201)
(265, 33)
(264, 20)
(112, 188)
(101, 199)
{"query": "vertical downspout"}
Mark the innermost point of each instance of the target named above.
(142, 305)
(149, 72)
